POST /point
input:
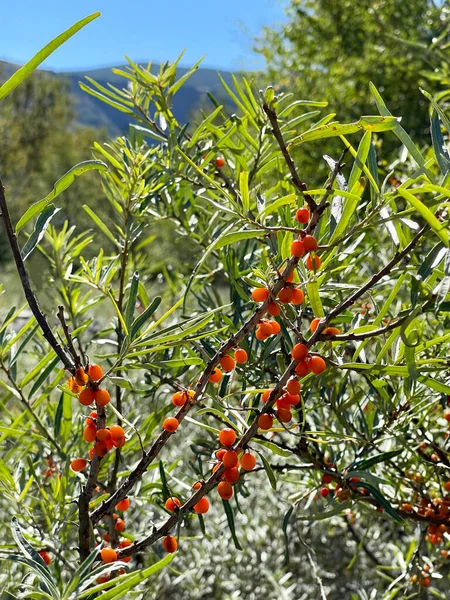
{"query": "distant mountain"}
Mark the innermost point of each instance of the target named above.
(94, 113)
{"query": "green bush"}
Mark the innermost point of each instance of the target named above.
(353, 471)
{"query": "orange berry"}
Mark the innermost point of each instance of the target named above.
(202, 506)
(80, 377)
(73, 386)
(302, 215)
(260, 335)
(283, 402)
(232, 475)
(265, 328)
(225, 490)
(327, 478)
(240, 356)
(298, 296)
(284, 415)
(102, 397)
(407, 507)
(120, 525)
(123, 505)
(170, 424)
(92, 419)
(310, 243)
(302, 368)
(89, 433)
(78, 464)
(179, 398)
(265, 421)
(95, 372)
(125, 543)
(117, 432)
(227, 363)
(332, 331)
(425, 582)
(86, 397)
(216, 467)
(265, 395)
(170, 544)
(91, 453)
(298, 248)
(108, 555)
(289, 278)
(260, 294)
(230, 459)
(215, 376)
(219, 162)
(45, 557)
(293, 398)
(100, 449)
(312, 263)
(293, 386)
(299, 352)
(197, 485)
(220, 453)
(117, 443)
(285, 295)
(273, 309)
(103, 435)
(227, 437)
(314, 324)
(171, 503)
(276, 328)
(103, 579)
(106, 537)
(316, 365)
(447, 486)
(248, 461)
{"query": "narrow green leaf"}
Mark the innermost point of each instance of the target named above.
(243, 187)
(60, 186)
(312, 289)
(42, 222)
(334, 129)
(131, 304)
(230, 520)
(269, 471)
(32, 65)
(101, 225)
(441, 229)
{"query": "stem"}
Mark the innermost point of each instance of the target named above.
(29, 295)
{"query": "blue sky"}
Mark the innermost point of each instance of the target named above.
(143, 29)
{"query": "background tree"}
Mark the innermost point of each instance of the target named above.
(331, 50)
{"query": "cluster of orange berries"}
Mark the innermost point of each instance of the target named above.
(105, 438)
(51, 468)
(287, 295)
(425, 579)
(228, 363)
(305, 243)
(89, 395)
(230, 459)
(437, 509)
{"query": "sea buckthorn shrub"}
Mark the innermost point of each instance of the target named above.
(281, 408)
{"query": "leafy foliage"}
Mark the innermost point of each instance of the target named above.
(370, 428)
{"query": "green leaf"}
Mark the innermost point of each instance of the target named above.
(101, 225)
(437, 139)
(145, 316)
(312, 289)
(441, 229)
(365, 464)
(121, 382)
(286, 518)
(230, 520)
(384, 503)
(131, 304)
(399, 131)
(127, 582)
(334, 129)
(243, 187)
(32, 65)
(60, 186)
(42, 222)
(269, 471)
(180, 362)
(177, 85)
